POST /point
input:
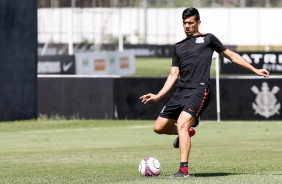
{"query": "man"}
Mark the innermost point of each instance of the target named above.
(191, 67)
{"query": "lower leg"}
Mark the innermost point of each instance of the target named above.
(184, 144)
(185, 122)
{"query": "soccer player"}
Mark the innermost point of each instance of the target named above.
(191, 68)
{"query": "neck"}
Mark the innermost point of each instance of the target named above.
(197, 33)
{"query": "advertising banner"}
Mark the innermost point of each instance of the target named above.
(241, 98)
(105, 63)
(57, 64)
(251, 99)
(272, 61)
(126, 62)
(75, 97)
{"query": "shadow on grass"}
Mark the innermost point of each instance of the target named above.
(212, 174)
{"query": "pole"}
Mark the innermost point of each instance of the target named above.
(145, 7)
(217, 88)
(120, 36)
(70, 44)
(243, 3)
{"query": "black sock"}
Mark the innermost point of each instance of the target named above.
(183, 167)
(183, 164)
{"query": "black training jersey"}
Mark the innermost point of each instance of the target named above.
(193, 57)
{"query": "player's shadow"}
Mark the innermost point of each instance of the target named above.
(217, 174)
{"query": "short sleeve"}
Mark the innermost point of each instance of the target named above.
(216, 44)
(175, 58)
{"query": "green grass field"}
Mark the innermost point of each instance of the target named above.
(157, 67)
(152, 67)
(107, 151)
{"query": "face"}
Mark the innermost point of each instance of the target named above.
(191, 26)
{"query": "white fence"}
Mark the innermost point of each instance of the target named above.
(233, 26)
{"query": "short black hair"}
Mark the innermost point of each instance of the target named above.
(189, 12)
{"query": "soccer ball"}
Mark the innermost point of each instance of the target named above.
(149, 166)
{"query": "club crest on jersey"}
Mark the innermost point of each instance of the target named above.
(266, 103)
(200, 40)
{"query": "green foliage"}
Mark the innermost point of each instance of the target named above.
(108, 151)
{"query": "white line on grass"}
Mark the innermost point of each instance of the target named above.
(83, 129)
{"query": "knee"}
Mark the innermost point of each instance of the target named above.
(184, 125)
(158, 129)
(165, 126)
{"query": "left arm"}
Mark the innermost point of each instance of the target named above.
(237, 59)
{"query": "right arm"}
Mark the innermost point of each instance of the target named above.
(170, 81)
(237, 59)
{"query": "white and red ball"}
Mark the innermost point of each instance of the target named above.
(149, 166)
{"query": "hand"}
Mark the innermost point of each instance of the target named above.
(262, 72)
(149, 98)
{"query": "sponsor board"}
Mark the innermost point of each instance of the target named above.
(246, 98)
(59, 64)
(105, 63)
(266, 103)
(272, 61)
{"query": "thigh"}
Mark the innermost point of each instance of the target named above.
(164, 123)
(186, 120)
(196, 103)
(174, 106)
